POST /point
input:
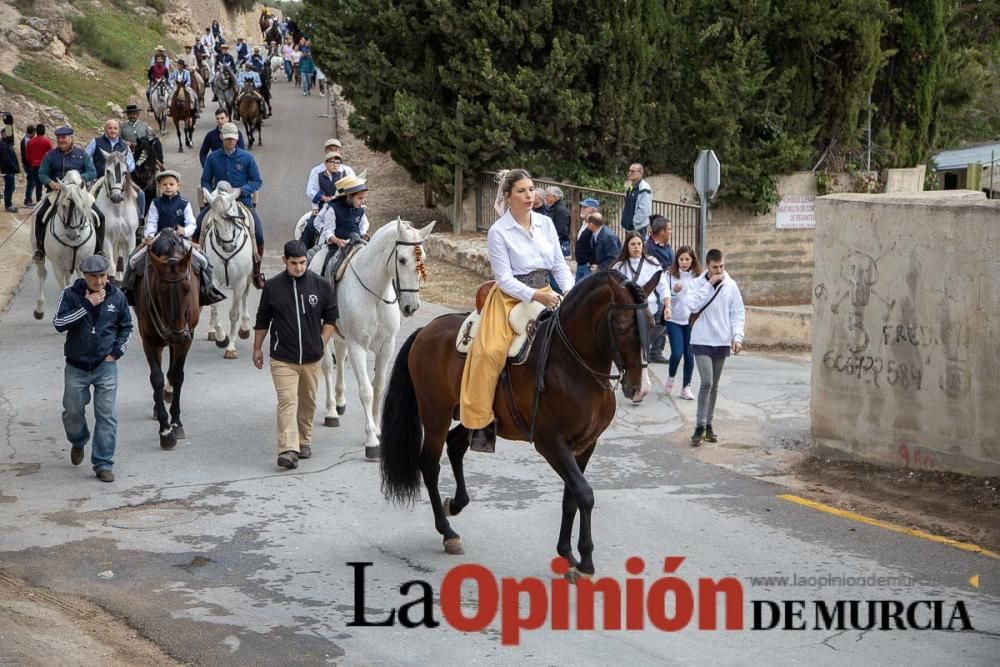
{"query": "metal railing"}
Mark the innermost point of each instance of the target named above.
(683, 216)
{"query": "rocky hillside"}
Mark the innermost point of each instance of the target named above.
(82, 62)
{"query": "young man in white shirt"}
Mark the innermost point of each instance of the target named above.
(717, 331)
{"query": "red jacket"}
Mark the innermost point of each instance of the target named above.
(158, 71)
(37, 148)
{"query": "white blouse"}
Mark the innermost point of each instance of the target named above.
(646, 271)
(514, 252)
(681, 311)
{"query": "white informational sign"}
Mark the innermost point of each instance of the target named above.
(796, 212)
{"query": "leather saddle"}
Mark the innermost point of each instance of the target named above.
(524, 319)
(336, 261)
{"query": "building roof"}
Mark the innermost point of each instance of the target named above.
(960, 158)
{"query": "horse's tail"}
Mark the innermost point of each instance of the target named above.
(402, 433)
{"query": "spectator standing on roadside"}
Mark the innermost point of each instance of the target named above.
(9, 166)
(560, 215)
(717, 331)
(95, 317)
(638, 201)
(29, 134)
(299, 309)
(584, 248)
(539, 206)
(658, 245)
(604, 242)
(35, 153)
(307, 69)
(680, 280)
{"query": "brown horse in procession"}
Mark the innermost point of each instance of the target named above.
(603, 321)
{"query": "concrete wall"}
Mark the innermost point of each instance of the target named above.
(905, 180)
(906, 330)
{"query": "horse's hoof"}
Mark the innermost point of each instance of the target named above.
(454, 546)
(179, 433)
(230, 354)
(341, 409)
(168, 441)
(331, 421)
(244, 333)
(449, 509)
(372, 453)
(211, 334)
(574, 575)
(222, 343)
(38, 315)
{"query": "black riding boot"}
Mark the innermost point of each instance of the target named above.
(209, 294)
(484, 439)
(99, 232)
(40, 222)
(258, 277)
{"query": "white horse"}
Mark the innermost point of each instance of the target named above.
(70, 237)
(227, 239)
(115, 194)
(159, 97)
(382, 281)
(277, 67)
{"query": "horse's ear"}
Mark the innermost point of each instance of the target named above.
(186, 259)
(105, 154)
(423, 233)
(651, 284)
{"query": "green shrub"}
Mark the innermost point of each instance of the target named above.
(90, 35)
(156, 25)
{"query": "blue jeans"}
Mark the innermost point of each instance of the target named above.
(34, 192)
(8, 190)
(76, 396)
(582, 271)
(307, 81)
(680, 346)
(288, 70)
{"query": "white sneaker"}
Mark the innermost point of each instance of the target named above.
(668, 386)
(686, 394)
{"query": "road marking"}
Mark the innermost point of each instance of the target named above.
(964, 546)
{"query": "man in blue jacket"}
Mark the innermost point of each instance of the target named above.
(605, 242)
(95, 317)
(238, 168)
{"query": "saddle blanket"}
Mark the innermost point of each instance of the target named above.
(522, 320)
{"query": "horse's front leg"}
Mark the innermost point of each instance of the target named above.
(382, 357)
(180, 142)
(330, 418)
(40, 300)
(577, 496)
(154, 357)
(458, 444)
(359, 362)
(176, 375)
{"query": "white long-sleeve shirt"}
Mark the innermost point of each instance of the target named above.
(312, 184)
(721, 324)
(153, 218)
(515, 252)
(326, 223)
(640, 274)
(679, 311)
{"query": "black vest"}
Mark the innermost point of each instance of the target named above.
(348, 219)
(60, 163)
(327, 183)
(170, 211)
(104, 144)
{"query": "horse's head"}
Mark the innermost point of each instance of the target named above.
(406, 263)
(618, 323)
(223, 201)
(74, 206)
(169, 288)
(116, 179)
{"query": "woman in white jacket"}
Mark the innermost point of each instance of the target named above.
(680, 280)
(639, 267)
(718, 329)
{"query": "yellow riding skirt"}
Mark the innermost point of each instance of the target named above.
(486, 359)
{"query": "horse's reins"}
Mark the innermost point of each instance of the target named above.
(71, 206)
(176, 303)
(239, 224)
(395, 281)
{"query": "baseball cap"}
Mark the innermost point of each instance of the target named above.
(230, 131)
(591, 202)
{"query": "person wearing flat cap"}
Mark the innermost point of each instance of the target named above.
(95, 317)
(171, 211)
(312, 184)
(238, 168)
(58, 162)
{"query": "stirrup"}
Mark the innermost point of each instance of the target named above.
(484, 439)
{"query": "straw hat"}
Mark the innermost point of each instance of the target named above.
(349, 185)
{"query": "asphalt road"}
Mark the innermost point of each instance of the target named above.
(220, 558)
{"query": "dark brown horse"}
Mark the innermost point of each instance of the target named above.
(251, 113)
(184, 110)
(603, 321)
(166, 305)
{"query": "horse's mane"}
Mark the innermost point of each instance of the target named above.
(594, 282)
(168, 245)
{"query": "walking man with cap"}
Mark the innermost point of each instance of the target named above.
(95, 317)
(238, 168)
(59, 161)
(299, 309)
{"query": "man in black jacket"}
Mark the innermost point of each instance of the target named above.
(299, 309)
(9, 165)
(560, 215)
(95, 317)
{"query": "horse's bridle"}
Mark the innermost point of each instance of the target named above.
(395, 281)
(122, 181)
(177, 298)
(240, 228)
(610, 381)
